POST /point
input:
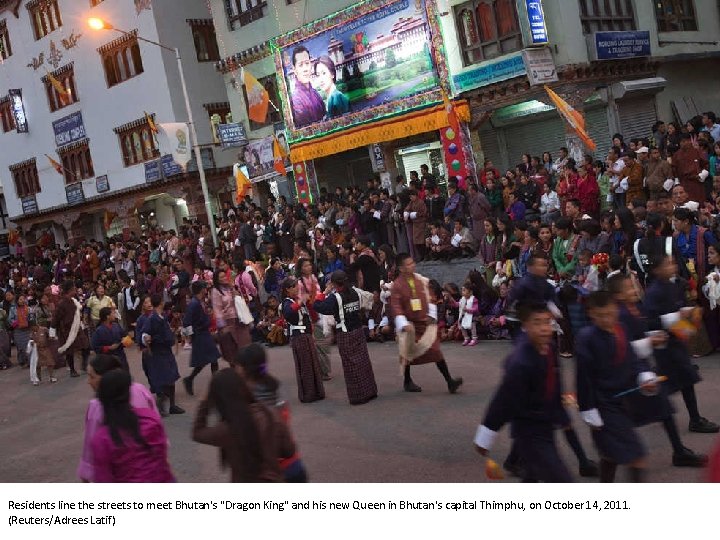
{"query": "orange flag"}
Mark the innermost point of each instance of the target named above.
(242, 184)
(55, 165)
(450, 110)
(278, 157)
(258, 98)
(572, 117)
(151, 123)
(63, 93)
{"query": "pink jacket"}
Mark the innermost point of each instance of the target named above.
(223, 306)
(140, 398)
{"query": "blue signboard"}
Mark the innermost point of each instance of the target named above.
(232, 135)
(536, 18)
(69, 129)
(75, 193)
(102, 184)
(169, 167)
(618, 45)
(153, 173)
(29, 205)
(489, 73)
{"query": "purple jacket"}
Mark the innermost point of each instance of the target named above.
(307, 105)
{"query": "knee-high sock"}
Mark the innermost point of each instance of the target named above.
(672, 432)
(607, 471)
(636, 474)
(169, 392)
(70, 361)
(443, 367)
(690, 399)
(406, 375)
(572, 439)
(195, 372)
(214, 367)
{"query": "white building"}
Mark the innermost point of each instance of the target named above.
(99, 131)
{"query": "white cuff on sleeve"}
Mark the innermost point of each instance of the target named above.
(52, 333)
(554, 310)
(646, 377)
(592, 418)
(485, 437)
(400, 323)
(433, 311)
(413, 215)
(670, 319)
(371, 324)
(642, 347)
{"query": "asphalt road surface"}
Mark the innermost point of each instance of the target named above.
(399, 437)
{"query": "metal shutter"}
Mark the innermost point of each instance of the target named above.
(596, 121)
(534, 138)
(490, 147)
(637, 115)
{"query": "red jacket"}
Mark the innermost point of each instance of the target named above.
(588, 192)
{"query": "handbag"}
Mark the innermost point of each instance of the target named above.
(243, 311)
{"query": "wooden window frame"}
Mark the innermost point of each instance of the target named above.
(44, 16)
(76, 161)
(134, 132)
(5, 45)
(7, 118)
(205, 40)
(607, 16)
(122, 59)
(505, 43)
(66, 76)
(269, 82)
(222, 109)
(683, 23)
(244, 12)
(26, 179)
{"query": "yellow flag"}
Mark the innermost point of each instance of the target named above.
(63, 92)
(242, 184)
(151, 123)
(55, 165)
(257, 97)
(278, 157)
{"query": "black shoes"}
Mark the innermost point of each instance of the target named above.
(188, 384)
(688, 458)
(412, 387)
(703, 425)
(176, 410)
(514, 469)
(454, 384)
(589, 469)
(74, 374)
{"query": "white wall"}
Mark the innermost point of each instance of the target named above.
(103, 108)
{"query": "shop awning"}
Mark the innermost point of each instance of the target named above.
(388, 129)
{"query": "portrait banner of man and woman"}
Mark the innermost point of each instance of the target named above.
(372, 59)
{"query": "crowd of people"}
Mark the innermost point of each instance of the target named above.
(586, 237)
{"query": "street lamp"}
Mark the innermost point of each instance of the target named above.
(99, 24)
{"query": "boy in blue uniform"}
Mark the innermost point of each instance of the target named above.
(606, 366)
(529, 397)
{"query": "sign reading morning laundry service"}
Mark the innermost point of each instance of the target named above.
(69, 129)
(619, 45)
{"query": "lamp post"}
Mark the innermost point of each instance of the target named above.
(100, 24)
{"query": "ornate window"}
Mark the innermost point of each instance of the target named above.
(7, 119)
(121, 59)
(270, 84)
(206, 46)
(45, 17)
(76, 161)
(66, 77)
(25, 177)
(675, 15)
(137, 142)
(606, 15)
(243, 12)
(487, 29)
(5, 48)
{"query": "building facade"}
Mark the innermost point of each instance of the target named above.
(79, 159)
(623, 64)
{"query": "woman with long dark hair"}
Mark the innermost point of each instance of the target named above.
(251, 439)
(140, 398)
(300, 330)
(252, 360)
(131, 445)
(625, 234)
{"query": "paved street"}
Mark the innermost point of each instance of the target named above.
(399, 437)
